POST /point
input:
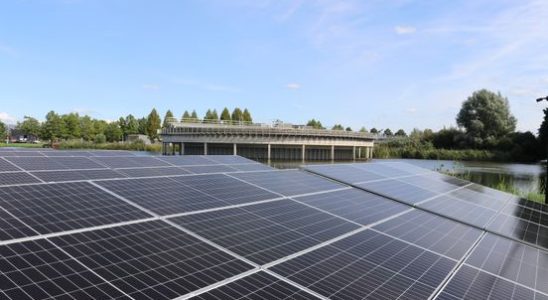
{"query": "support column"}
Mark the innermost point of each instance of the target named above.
(303, 153)
(371, 153)
(163, 148)
(268, 152)
(181, 147)
(360, 152)
(367, 152)
(353, 152)
(332, 152)
(235, 152)
(172, 148)
(205, 148)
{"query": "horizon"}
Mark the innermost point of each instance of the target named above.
(383, 65)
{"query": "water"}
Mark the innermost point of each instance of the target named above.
(524, 177)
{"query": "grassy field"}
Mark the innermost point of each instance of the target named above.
(136, 146)
(21, 145)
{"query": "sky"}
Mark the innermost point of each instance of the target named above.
(385, 64)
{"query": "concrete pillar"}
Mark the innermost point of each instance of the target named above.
(371, 153)
(303, 153)
(163, 149)
(235, 152)
(205, 148)
(353, 152)
(332, 152)
(181, 148)
(172, 148)
(268, 152)
(367, 152)
(359, 152)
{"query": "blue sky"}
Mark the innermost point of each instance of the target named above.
(384, 64)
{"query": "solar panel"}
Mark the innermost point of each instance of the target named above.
(479, 196)
(251, 167)
(5, 166)
(266, 232)
(163, 196)
(226, 188)
(20, 153)
(352, 204)
(12, 228)
(471, 283)
(512, 260)
(39, 270)
(54, 163)
(154, 171)
(435, 233)
(13, 178)
(130, 162)
(386, 170)
(66, 153)
(151, 260)
(209, 169)
(100, 153)
(430, 184)
(60, 207)
(229, 159)
(289, 183)
(368, 265)
(70, 175)
(345, 173)
(260, 285)
(190, 160)
(398, 190)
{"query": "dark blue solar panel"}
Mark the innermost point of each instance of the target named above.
(5, 166)
(151, 172)
(14, 178)
(130, 162)
(398, 190)
(70, 175)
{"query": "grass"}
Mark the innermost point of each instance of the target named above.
(135, 146)
(504, 186)
(21, 145)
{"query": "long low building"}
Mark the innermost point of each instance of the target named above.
(265, 141)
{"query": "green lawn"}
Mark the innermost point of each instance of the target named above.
(21, 145)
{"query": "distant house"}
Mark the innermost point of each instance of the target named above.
(138, 137)
(17, 136)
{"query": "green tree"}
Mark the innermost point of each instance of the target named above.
(86, 128)
(337, 127)
(486, 117)
(316, 124)
(185, 116)
(400, 132)
(247, 116)
(142, 126)
(132, 125)
(123, 127)
(30, 127)
(348, 129)
(388, 132)
(167, 118)
(374, 130)
(3, 132)
(194, 116)
(225, 115)
(113, 132)
(363, 130)
(208, 115)
(53, 127)
(100, 138)
(543, 131)
(153, 124)
(99, 126)
(237, 115)
(214, 115)
(72, 128)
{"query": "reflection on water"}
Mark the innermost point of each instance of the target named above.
(524, 177)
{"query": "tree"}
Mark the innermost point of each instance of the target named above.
(167, 118)
(99, 126)
(247, 116)
(132, 125)
(337, 127)
(113, 132)
(237, 115)
(3, 132)
(214, 115)
(153, 124)
(185, 116)
(486, 117)
(86, 128)
(142, 126)
(72, 126)
(388, 132)
(194, 116)
(374, 130)
(446, 138)
(225, 115)
(30, 127)
(315, 124)
(208, 115)
(400, 132)
(53, 127)
(363, 130)
(543, 131)
(348, 129)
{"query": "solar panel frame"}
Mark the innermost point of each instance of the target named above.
(76, 175)
(118, 162)
(152, 172)
(398, 190)
(15, 178)
(6, 166)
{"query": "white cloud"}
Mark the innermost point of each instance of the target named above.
(293, 86)
(7, 118)
(151, 86)
(405, 29)
(411, 110)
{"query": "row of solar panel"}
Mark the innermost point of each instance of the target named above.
(5, 151)
(473, 204)
(409, 255)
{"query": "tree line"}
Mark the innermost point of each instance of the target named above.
(73, 126)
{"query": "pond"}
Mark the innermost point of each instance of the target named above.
(523, 177)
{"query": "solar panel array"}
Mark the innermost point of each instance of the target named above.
(86, 225)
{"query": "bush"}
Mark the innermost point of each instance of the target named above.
(100, 139)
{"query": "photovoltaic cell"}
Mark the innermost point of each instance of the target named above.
(163, 196)
(210, 169)
(229, 159)
(59, 207)
(187, 160)
(54, 163)
(131, 162)
(111, 153)
(352, 204)
(460, 210)
(386, 170)
(522, 223)
(39, 270)
(69, 175)
(260, 285)
(5, 166)
(266, 232)
(66, 153)
(289, 183)
(12, 228)
(398, 190)
(345, 173)
(151, 260)
(368, 265)
(480, 197)
(512, 260)
(431, 184)
(435, 233)
(154, 171)
(225, 188)
(13, 178)
(19, 153)
(470, 283)
(251, 167)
